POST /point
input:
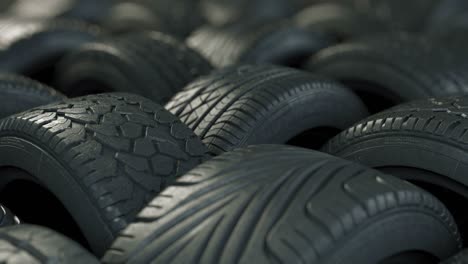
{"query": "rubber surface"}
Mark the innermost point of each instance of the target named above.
(20, 94)
(152, 64)
(244, 105)
(278, 204)
(403, 15)
(390, 69)
(276, 42)
(340, 20)
(428, 134)
(423, 141)
(223, 12)
(175, 17)
(459, 258)
(87, 10)
(33, 47)
(33, 244)
(103, 156)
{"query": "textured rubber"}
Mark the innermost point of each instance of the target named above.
(33, 47)
(279, 204)
(39, 245)
(20, 94)
(276, 42)
(423, 141)
(390, 69)
(428, 135)
(175, 17)
(103, 156)
(152, 64)
(460, 258)
(340, 20)
(255, 104)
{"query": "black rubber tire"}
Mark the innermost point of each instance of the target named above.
(224, 12)
(175, 17)
(399, 14)
(102, 156)
(7, 218)
(19, 94)
(340, 20)
(258, 104)
(460, 258)
(422, 141)
(278, 204)
(152, 64)
(275, 42)
(86, 10)
(39, 245)
(386, 70)
(448, 15)
(33, 47)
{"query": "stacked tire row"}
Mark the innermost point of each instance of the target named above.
(222, 131)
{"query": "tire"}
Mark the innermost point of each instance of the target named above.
(403, 15)
(340, 20)
(7, 218)
(275, 42)
(20, 94)
(175, 17)
(386, 70)
(151, 64)
(225, 12)
(281, 204)
(448, 15)
(245, 105)
(33, 47)
(102, 156)
(460, 258)
(422, 141)
(86, 10)
(34, 244)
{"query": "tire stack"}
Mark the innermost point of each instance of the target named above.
(233, 131)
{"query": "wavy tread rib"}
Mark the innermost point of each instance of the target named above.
(252, 202)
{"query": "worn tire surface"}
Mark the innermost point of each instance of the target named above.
(20, 94)
(33, 244)
(255, 104)
(386, 70)
(33, 47)
(152, 64)
(103, 156)
(281, 204)
(275, 42)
